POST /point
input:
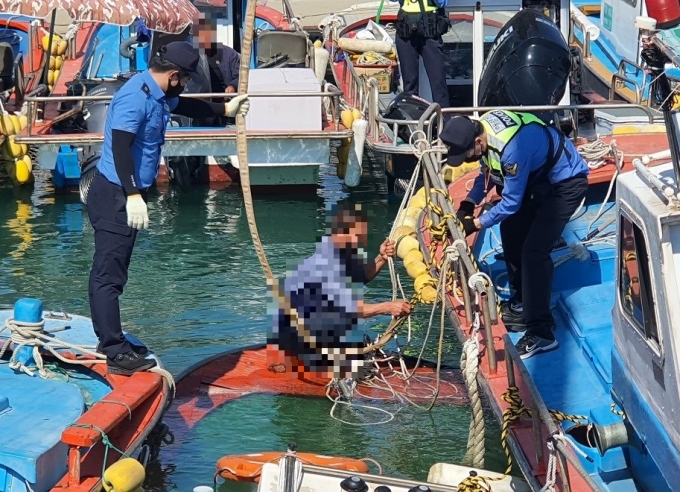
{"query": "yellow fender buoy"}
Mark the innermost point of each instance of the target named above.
(402, 231)
(418, 202)
(416, 269)
(414, 255)
(9, 124)
(347, 118)
(126, 475)
(61, 48)
(23, 122)
(413, 212)
(318, 43)
(356, 114)
(422, 281)
(428, 295)
(14, 149)
(406, 244)
(22, 170)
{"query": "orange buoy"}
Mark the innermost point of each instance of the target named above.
(248, 467)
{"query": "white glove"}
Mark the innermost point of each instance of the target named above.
(238, 104)
(137, 215)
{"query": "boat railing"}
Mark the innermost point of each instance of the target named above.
(540, 415)
(393, 147)
(35, 100)
(585, 45)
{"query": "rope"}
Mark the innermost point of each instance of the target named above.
(33, 335)
(372, 58)
(469, 364)
(107, 446)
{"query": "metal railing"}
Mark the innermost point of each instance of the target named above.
(470, 279)
(541, 415)
(587, 51)
(34, 100)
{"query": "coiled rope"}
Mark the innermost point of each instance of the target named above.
(35, 337)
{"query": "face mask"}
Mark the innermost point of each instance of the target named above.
(474, 158)
(174, 90)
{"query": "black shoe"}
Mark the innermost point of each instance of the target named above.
(530, 345)
(513, 316)
(137, 349)
(128, 363)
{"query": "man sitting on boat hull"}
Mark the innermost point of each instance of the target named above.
(326, 293)
(544, 180)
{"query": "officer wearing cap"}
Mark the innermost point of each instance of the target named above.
(116, 201)
(543, 179)
(420, 27)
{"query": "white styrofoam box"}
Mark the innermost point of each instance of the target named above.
(284, 113)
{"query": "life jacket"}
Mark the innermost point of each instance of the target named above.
(501, 127)
(418, 6)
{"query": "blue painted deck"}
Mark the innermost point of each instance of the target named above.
(577, 377)
(35, 411)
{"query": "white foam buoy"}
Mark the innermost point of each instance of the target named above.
(321, 57)
(356, 153)
(203, 488)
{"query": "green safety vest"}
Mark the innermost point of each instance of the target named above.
(413, 6)
(501, 127)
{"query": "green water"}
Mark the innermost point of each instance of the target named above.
(196, 288)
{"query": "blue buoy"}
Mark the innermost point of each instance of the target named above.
(27, 310)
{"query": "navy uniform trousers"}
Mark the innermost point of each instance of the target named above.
(432, 50)
(114, 241)
(528, 236)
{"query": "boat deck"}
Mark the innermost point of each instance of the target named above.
(51, 418)
(576, 378)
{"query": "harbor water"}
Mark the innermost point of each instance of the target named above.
(196, 289)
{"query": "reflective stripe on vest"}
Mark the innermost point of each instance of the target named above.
(413, 6)
(501, 127)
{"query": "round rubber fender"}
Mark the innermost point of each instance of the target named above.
(126, 50)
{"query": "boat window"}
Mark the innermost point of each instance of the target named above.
(635, 287)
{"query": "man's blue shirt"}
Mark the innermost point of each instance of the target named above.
(527, 152)
(139, 107)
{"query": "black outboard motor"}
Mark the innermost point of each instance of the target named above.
(98, 110)
(528, 64)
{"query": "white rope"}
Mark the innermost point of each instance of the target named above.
(551, 474)
(32, 335)
(469, 364)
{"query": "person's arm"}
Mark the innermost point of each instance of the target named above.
(517, 165)
(395, 308)
(231, 67)
(372, 268)
(121, 144)
(197, 108)
(129, 117)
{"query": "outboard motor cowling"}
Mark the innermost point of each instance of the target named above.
(406, 106)
(98, 109)
(528, 64)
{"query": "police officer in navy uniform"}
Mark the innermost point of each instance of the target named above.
(543, 180)
(116, 201)
(420, 26)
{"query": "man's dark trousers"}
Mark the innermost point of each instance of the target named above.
(432, 50)
(528, 237)
(114, 241)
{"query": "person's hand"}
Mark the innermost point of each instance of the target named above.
(399, 308)
(230, 90)
(238, 104)
(465, 209)
(137, 214)
(387, 249)
(469, 225)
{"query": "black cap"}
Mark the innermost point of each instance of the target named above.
(182, 54)
(459, 135)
